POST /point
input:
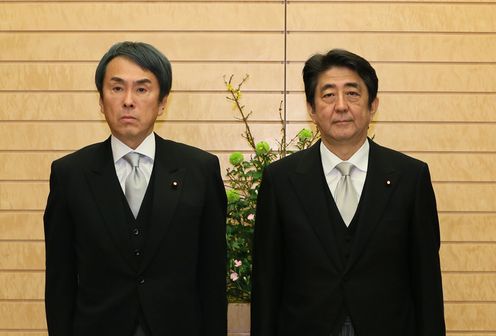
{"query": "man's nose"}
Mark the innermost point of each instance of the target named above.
(341, 104)
(129, 98)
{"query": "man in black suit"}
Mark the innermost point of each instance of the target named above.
(321, 269)
(117, 267)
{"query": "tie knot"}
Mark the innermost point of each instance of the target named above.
(133, 158)
(345, 168)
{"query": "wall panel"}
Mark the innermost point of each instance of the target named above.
(470, 197)
(397, 46)
(22, 166)
(21, 225)
(22, 255)
(468, 257)
(22, 285)
(459, 167)
(470, 227)
(22, 315)
(23, 333)
(398, 17)
(472, 317)
(133, 16)
(469, 287)
(179, 46)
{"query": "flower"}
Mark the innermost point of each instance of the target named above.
(232, 196)
(234, 276)
(250, 217)
(236, 158)
(262, 148)
(238, 263)
(305, 134)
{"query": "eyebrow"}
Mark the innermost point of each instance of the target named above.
(139, 81)
(332, 86)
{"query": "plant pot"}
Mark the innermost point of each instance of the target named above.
(238, 319)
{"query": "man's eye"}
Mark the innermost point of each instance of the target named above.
(354, 94)
(141, 90)
(117, 88)
(327, 95)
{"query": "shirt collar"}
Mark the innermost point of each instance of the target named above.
(330, 160)
(146, 148)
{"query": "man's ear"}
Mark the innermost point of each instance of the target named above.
(100, 102)
(374, 106)
(161, 105)
(311, 112)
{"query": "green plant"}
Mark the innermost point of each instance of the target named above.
(244, 177)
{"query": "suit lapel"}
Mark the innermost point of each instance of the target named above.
(379, 185)
(167, 189)
(308, 181)
(108, 195)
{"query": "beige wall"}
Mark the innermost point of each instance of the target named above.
(436, 65)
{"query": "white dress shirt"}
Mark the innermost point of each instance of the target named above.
(360, 160)
(123, 168)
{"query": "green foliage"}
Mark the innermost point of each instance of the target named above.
(244, 177)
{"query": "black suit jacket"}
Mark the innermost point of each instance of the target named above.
(391, 284)
(93, 286)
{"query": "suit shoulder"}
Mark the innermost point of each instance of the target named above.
(291, 161)
(187, 151)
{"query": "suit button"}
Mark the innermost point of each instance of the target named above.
(137, 252)
(136, 231)
(141, 280)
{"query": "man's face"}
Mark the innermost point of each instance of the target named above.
(341, 109)
(130, 101)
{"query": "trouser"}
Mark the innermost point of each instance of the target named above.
(347, 329)
(139, 331)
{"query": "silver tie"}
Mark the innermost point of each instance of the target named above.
(346, 196)
(135, 185)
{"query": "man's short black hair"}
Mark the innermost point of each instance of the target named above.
(144, 55)
(319, 63)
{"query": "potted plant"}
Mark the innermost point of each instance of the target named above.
(244, 176)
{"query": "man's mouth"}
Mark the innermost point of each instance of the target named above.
(128, 117)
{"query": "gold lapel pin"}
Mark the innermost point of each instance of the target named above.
(174, 184)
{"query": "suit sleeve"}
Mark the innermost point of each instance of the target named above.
(212, 254)
(425, 264)
(267, 262)
(61, 276)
